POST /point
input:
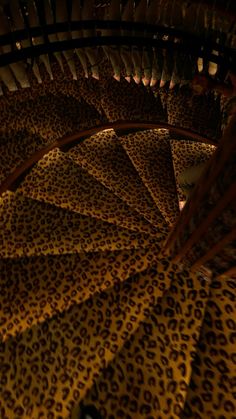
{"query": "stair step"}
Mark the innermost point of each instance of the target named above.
(69, 186)
(50, 116)
(150, 154)
(30, 228)
(84, 338)
(15, 149)
(198, 113)
(187, 154)
(104, 158)
(154, 368)
(216, 349)
(127, 101)
(36, 288)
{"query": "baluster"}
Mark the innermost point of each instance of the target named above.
(88, 10)
(153, 17)
(38, 40)
(52, 37)
(213, 67)
(125, 51)
(112, 12)
(177, 68)
(139, 16)
(19, 24)
(168, 63)
(62, 16)
(8, 78)
(18, 68)
(76, 16)
(157, 65)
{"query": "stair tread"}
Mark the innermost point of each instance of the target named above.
(15, 149)
(36, 288)
(157, 360)
(216, 347)
(69, 186)
(150, 154)
(104, 158)
(129, 101)
(85, 337)
(31, 227)
(198, 113)
(67, 115)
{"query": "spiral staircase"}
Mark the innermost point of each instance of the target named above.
(99, 124)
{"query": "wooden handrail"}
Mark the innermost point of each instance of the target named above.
(227, 56)
(230, 272)
(218, 209)
(212, 170)
(80, 136)
(215, 249)
(57, 27)
(177, 245)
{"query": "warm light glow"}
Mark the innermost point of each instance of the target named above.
(161, 130)
(181, 204)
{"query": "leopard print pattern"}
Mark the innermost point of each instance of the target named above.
(62, 83)
(123, 101)
(198, 113)
(149, 377)
(228, 108)
(83, 103)
(150, 154)
(109, 99)
(15, 148)
(37, 288)
(58, 180)
(223, 261)
(105, 159)
(50, 366)
(212, 387)
(66, 116)
(186, 154)
(31, 228)
(27, 125)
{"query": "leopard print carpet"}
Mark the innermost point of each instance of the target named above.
(90, 311)
(104, 158)
(199, 113)
(30, 228)
(150, 153)
(83, 103)
(71, 187)
(212, 387)
(36, 288)
(51, 365)
(149, 377)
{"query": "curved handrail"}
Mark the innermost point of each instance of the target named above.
(78, 137)
(191, 43)
(57, 27)
(195, 49)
